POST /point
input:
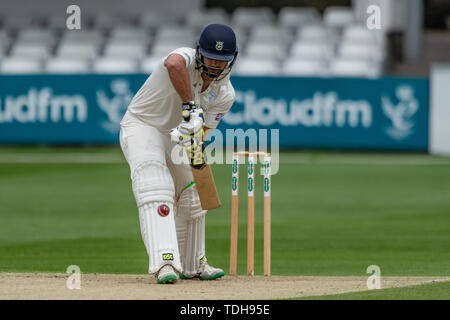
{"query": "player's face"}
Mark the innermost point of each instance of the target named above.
(215, 66)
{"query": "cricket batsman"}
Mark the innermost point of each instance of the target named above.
(184, 98)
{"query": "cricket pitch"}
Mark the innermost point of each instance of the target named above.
(46, 286)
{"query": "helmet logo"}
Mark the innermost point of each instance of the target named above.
(219, 45)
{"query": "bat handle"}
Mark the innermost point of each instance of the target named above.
(186, 112)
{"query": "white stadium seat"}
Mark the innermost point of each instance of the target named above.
(314, 33)
(174, 34)
(154, 19)
(241, 36)
(294, 17)
(354, 68)
(129, 34)
(107, 20)
(256, 67)
(351, 50)
(200, 19)
(91, 36)
(359, 33)
(271, 34)
(297, 67)
(115, 65)
(13, 65)
(64, 65)
(248, 17)
(85, 50)
(265, 50)
(362, 35)
(311, 50)
(36, 35)
(338, 17)
(125, 49)
(164, 48)
(30, 50)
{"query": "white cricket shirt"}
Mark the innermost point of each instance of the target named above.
(159, 105)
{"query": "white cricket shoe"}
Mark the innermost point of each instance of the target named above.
(205, 272)
(166, 275)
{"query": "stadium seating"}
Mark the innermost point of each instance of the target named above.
(338, 17)
(57, 23)
(34, 35)
(65, 65)
(123, 49)
(199, 19)
(152, 20)
(115, 65)
(129, 34)
(359, 34)
(4, 42)
(270, 34)
(256, 67)
(17, 65)
(72, 49)
(297, 41)
(35, 50)
(351, 50)
(311, 50)
(294, 17)
(19, 21)
(241, 37)
(343, 67)
(162, 48)
(314, 33)
(175, 34)
(106, 21)
(247, 17)
(82, 36)
(256, 49)
(304, 67)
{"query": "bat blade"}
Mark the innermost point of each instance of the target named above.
(206, 187)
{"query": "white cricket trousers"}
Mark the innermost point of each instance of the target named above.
(171, 219)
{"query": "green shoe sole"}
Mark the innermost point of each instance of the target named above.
(218, 275)
(168, 279)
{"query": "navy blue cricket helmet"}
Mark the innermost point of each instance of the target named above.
(217, 42)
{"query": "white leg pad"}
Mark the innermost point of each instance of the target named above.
(190, 225)
(153, 187)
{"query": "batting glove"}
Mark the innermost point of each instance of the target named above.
(190, 128)
(183, 133)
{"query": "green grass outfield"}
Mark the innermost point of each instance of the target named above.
(429, 291)
(332, 214)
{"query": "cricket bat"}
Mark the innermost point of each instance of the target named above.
(203, 177)
(206, 187)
